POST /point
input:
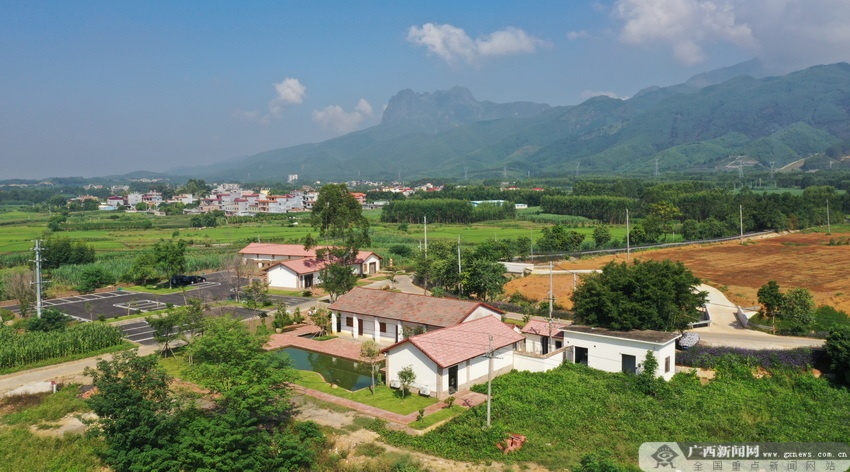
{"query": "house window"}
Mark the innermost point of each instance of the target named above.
(667, 364)
(383, 327)
(349, 321)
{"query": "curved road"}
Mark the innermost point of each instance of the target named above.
(725, 330)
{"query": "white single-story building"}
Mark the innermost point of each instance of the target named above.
(621, 351)
(542, 337)
(306, 272)
(385, 316)
(454, 358)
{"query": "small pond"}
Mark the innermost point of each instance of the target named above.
(346, 373)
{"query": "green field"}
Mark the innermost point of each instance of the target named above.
(19, 229)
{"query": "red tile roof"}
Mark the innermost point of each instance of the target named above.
(432, 311)
(541, 327)
(292, 250)
(451, 346)
(309, 265)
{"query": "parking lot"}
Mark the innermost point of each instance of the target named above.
(92, 307)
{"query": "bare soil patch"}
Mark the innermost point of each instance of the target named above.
(792, 260)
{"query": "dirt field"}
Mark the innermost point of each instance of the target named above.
(792, 260)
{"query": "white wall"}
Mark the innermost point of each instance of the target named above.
(481, 312)
(408, 355)
(533, 363)
(605, 353)
(282, 277)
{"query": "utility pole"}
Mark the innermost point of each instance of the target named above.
(38, 302)
(772, 165)
(828, 229)
(425, 224)
(628, 238)
(459, 271)
(505, 172)
(532, 247)
(551, 303)
(489, 377)
(741, 216)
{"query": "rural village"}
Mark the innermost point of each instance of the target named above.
(384, 345)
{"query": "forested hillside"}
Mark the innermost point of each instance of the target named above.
(743, 121)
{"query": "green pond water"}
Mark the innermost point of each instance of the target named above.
(345, 373)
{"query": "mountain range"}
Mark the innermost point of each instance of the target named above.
(720, 119)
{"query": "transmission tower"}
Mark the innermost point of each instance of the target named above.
(656, 168)
(578, 164)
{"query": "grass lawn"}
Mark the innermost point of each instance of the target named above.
(574, 410)
(22, 449)
(384, 398)
(438, 416)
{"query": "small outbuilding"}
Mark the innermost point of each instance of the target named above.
(621, 351)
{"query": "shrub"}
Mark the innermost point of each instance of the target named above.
(401, 250)
(711, 357)
(603, 461)
(838, 349)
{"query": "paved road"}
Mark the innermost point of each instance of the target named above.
(725, 330)
(69, 372)
(402, 282)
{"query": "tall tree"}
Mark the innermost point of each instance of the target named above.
(645, 295)
(338, 216)
(370, 350)
(770, 298)
(170, 257)
(20, 286)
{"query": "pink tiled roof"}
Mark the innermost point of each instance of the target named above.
(292, 250)
(311, 265)
(453, 345)
(432, 311)
(541, 327)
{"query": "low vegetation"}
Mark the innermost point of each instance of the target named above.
(31, 347)
(574, 410)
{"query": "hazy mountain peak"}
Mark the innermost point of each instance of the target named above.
(443, 110)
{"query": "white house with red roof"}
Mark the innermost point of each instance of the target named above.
(454, 358)
(387, 316)
(291, 266)
(544, 336)
(306, 272)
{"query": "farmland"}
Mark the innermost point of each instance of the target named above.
(804, 259)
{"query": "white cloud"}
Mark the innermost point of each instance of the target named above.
(786, 34)
(341, 121)
(590, 94)
(364, 107)
(289, 92)
(683, 25)
(573, 35)
(451, 43)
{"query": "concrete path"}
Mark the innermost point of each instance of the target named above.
(68, 372)
(403, 283)
(725, 330)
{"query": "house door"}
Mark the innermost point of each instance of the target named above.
(308, 280)
(581, 355)
(360, 327)
(339, 323)
(452, 379)
(629, 364)
(544, 340)
(373, 267)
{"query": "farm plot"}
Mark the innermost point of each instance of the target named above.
(792, 260)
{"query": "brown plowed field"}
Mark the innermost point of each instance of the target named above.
(792, 260)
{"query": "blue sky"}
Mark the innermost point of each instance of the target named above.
(95, 88)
